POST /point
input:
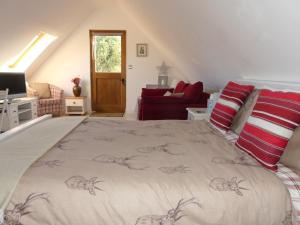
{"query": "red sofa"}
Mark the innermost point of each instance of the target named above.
(153, 105)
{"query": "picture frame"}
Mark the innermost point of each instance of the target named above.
(142, 50)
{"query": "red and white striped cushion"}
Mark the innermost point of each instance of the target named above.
(231, 99)
(272, 123)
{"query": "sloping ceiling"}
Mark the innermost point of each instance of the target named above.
(220, 40)
(21, 20)
(209, 40)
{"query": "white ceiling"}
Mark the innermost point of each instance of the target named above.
(211, 40)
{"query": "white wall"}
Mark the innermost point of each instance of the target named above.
(216, 41)
(72, 57)
(209, 40)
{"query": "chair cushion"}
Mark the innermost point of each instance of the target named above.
(50, 101)
(193, 91)
(272, 123)
(43, 90)
(231, 99)
(180, 87)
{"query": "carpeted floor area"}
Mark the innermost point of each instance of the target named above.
(97, 114)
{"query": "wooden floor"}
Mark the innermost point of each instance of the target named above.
(98, 114)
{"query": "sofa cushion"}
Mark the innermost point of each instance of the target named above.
(193, 91)
(179, 95)
(162, 100)
(268, 130)
(180, 87)
(231, 99)
(43, 90)
(155, 92)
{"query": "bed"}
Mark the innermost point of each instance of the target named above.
(111, 172)
(118, 172)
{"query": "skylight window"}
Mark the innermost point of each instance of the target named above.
(30, 53)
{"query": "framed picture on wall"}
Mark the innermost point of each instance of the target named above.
(142, 50)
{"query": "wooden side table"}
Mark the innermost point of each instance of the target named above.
(197, 114)
(76, 105)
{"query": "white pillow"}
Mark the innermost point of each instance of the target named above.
(212, 101)
(168, 93)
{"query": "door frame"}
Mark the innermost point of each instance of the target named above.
(123, 63)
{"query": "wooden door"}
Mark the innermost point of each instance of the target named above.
(108, 71)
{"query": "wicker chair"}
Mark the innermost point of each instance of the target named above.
(53, 105)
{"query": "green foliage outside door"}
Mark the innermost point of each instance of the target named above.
(107, 54)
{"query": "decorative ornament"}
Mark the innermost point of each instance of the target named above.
(76, 88)
(163, 69)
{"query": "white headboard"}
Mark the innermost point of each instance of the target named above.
(280, 85)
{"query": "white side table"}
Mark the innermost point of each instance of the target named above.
(76, 105)
(197, 114)
(156, 86)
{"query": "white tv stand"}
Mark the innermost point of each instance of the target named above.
(19, 111)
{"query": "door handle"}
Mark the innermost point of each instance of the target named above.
(123, 81)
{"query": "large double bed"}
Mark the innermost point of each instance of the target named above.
(118, 172)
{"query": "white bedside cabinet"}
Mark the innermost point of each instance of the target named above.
(197, 114)
(19, 111)
(76, 105)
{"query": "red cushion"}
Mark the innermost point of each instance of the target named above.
(193, 91)
(274, 118)
(180, 87)
(231, 99)
(155, 92)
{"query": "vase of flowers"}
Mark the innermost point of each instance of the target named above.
(76, 88)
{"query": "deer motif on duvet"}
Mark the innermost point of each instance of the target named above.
(121, 161)
(172, 216)
(239, 160)
(165, 148)
(221, 184)
(175, 169)
(13, 216)
(65, 144)
(49, 163)
(81, 183)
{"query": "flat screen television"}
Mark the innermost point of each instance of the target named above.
(15, 82)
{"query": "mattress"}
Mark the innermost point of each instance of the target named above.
(115, 172)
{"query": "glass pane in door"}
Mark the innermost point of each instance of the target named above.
(107, 53)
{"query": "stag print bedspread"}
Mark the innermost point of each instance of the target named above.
(116, 172)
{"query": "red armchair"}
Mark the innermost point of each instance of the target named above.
(154, 105)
